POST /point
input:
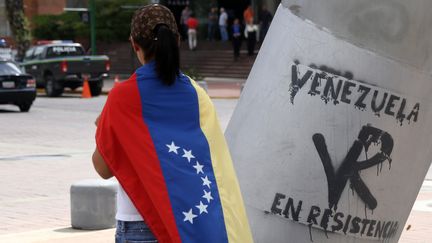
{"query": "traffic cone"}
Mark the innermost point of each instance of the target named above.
(86, 93)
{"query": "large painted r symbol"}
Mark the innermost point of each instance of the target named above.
(350, 167)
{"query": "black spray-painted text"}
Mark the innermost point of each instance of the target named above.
(332, 221)
(336, 89)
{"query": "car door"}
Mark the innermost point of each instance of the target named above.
(28, 58)
(35, 67)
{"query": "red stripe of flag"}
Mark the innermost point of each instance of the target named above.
(123, 112)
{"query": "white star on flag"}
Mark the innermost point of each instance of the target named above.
(206, 181)
(188, 154)
(189, 216)
(199, 168)
(172, 147)
(207, 195)
(202, 208)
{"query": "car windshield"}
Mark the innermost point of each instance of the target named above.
(62, 51)
(9, 68)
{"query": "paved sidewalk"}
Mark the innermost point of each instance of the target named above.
(417, 230)
(218, 88)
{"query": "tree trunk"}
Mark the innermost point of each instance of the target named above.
(19, 26)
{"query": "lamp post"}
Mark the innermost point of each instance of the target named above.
(92, 27)
(91, 11)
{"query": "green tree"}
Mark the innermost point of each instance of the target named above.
(19, 26)
(113, 19)
(66, 26)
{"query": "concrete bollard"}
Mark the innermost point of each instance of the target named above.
(93, 204)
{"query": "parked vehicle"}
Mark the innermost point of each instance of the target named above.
(5, 50)
(16, 87)
(57, 66)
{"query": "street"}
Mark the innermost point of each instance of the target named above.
(46, 150)
(41, 153)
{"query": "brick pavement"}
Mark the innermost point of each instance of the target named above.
(41, 153)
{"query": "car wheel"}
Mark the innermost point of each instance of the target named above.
(96, 87)
(24, 107)
(52, 88)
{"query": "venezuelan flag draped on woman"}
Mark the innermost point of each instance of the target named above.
(166, 148)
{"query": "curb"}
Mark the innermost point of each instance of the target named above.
(41, 91)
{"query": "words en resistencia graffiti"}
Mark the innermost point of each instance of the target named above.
(332, 221)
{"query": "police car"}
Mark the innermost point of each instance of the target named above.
(16, 87)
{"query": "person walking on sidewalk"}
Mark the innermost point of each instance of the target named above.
(185, 14)
(248, 14)
(251, 34)
(212, 24)
(158, 134)
(265, 18)
(237, 38)
(192, 24)
(223, 22)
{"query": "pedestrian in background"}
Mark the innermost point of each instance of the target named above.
(223, 22)
(185, 14)
(264, 18)
(212, 24)
(251, 33)
(192, 25)
(248, 14)
(237, 38)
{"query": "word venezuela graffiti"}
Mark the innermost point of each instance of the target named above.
(337, 90)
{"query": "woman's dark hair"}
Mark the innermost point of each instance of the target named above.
(154, 29)
(164, 49)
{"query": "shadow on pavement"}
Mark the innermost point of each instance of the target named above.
(9, 111)
(63, 96)
(72, 230)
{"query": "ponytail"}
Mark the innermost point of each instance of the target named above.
(167, 54)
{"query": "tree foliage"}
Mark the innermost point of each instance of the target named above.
(19, 26)
(66, 26)
(113, 19)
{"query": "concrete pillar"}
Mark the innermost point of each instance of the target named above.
(331, 136)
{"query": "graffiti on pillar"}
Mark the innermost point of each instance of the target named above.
(332, 88)
(349, 170)
(336, 88)
(329, 219)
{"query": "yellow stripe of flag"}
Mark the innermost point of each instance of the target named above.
(236, 222)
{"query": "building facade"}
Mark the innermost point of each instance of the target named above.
(31, 9)
(4, 28)
(38, 7)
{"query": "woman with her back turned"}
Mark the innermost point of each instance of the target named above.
(159, 136)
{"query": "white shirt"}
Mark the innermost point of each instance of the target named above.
(223, 19)
(126, 211)
(251, 28)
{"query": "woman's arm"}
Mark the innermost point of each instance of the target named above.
(98, 161)
(100, 165)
